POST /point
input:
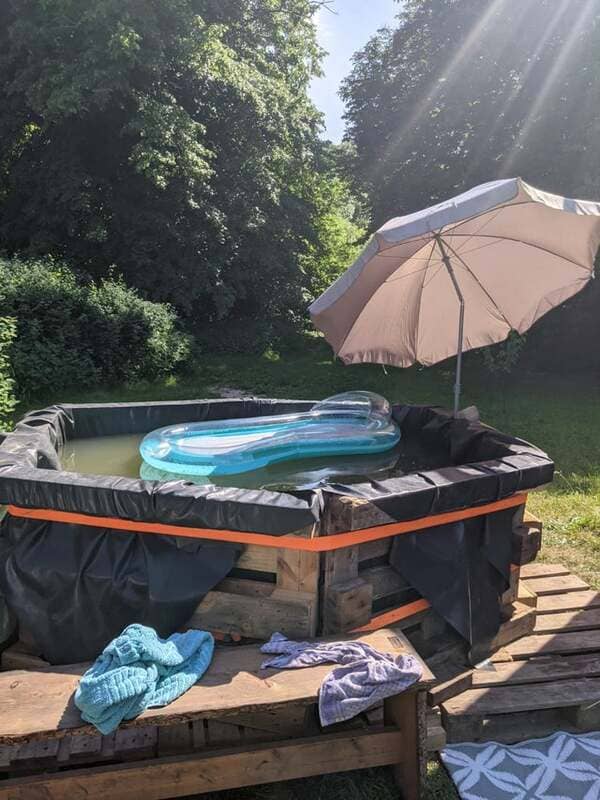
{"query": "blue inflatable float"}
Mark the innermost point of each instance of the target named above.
(353, 423)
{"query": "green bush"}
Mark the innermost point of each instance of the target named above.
(72, 333)
(8, 330)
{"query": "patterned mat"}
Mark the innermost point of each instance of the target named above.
(563, 766)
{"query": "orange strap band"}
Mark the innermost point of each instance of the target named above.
(394, 615)
(318, 544)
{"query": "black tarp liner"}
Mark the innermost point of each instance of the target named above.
(74, 588)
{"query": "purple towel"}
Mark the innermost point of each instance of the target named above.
(365, 676)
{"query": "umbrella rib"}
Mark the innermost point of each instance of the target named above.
(481, 286)
(479, 247)
(527, 244)
(421, 269)
(484, 225)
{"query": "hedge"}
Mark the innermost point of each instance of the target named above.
(74, 333)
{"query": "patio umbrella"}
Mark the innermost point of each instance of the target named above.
(460, 275)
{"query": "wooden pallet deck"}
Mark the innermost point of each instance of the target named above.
(545, 681)
(241, 725)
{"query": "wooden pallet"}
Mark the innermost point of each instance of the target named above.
(268, 590)
(544, 681)
(360, 589)
(239, 726)
(302, 594)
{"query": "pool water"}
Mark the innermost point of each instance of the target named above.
(104, 455)
(120, 456)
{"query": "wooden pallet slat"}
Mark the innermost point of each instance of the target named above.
(175, 739)
(436, 735)
(544, 681)
(555, 644)
(292, 613)
(134, 743)
(385, 581)
(196, 774)
(539, 569)
(586, 619)
(536, 670)
(556, 584)
(571, 601)
(490, 701)
(40, 704)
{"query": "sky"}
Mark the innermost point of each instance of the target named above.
(343, 33)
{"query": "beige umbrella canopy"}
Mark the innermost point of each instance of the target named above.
(460, 275)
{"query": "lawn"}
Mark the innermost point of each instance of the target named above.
(560, 415)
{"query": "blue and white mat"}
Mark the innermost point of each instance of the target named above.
(563, 766)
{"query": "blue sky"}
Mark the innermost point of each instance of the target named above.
(342, 34)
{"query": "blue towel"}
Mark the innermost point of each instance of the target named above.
(139, 670)
(363, 678)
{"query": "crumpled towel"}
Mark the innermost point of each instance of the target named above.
(139, 670)
(365, 676)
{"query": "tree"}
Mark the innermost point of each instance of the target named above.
(339, 220)
(465, 91)
(165, 139)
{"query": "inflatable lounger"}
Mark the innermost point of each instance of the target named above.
(347, 424)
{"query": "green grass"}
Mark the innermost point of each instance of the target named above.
(562, 416)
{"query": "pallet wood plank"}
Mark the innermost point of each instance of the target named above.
(453, 686)
(380, 548)
(508, 728)
(436, 735)
(531, 520)
(402, 711)
(555, 644)
(490, 701)
(283, 723)
(571, 601)
(134, 743)
(384, 580)
(512, 593)
(536, 670)
(340, 575)
(568, 621)
(521, 623)
(526, 544)
(7, 753)
(263, 559)
(219, 732)
(556, 585)
(38, 705)
(526, 597)
(175, 739)
(35, 753)
(16, 657)
(539, 569)
(298, 571)
(198, 773)
(292, 613)
(347, 606)
(257, 558)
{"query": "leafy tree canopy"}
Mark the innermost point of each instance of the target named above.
(466, 91)
(173, 139)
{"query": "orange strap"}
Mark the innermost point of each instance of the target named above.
(322, 544)
(393, 615)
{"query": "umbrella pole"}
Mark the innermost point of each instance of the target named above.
(461, 321)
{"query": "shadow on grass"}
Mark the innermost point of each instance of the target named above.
(368, 784)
